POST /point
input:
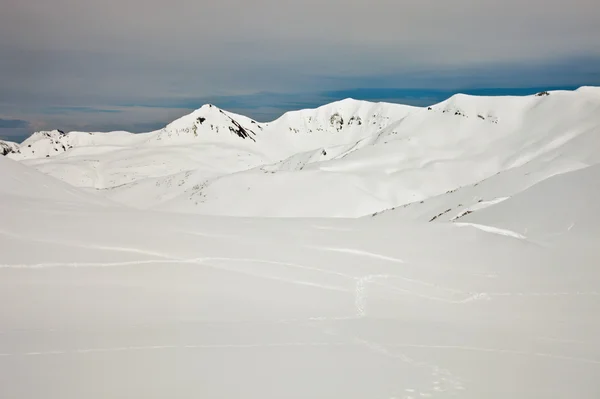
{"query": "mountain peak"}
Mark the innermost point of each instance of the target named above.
(210, 120)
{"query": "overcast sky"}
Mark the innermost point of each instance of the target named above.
(136, 64)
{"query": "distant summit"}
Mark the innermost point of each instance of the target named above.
(8, 147)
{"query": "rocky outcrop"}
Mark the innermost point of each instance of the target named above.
(8, 147)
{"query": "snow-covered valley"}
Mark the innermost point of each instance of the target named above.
(358, 250)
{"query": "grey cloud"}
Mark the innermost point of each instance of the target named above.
(98, 54)
(130, 118)
(432, 30)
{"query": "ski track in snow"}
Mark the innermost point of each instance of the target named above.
(87, 246)
(361, 295)
(208, 235)
(163, 347)
(442, 379)
(383, 349)
(360, 282)
(332, 228)
(360, 285)
(353, 251)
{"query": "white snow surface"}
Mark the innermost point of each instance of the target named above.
(196, 263)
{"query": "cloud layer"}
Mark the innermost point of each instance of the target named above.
(103, 54)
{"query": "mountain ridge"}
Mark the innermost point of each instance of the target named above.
(357, 157)
(191, 122)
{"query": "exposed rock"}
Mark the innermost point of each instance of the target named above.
(8, 147)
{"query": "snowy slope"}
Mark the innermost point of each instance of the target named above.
(46, 144)
(551, 208)
(101, 302)
(21, 184)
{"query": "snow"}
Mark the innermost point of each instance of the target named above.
(146, 266)
(493, 230)
(21, 183)
(8, 147)
(555, 205)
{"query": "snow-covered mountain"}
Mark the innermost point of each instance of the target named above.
(333, 124)
(347, 159)
(8, 147)
(473, 273)
(206, 144)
